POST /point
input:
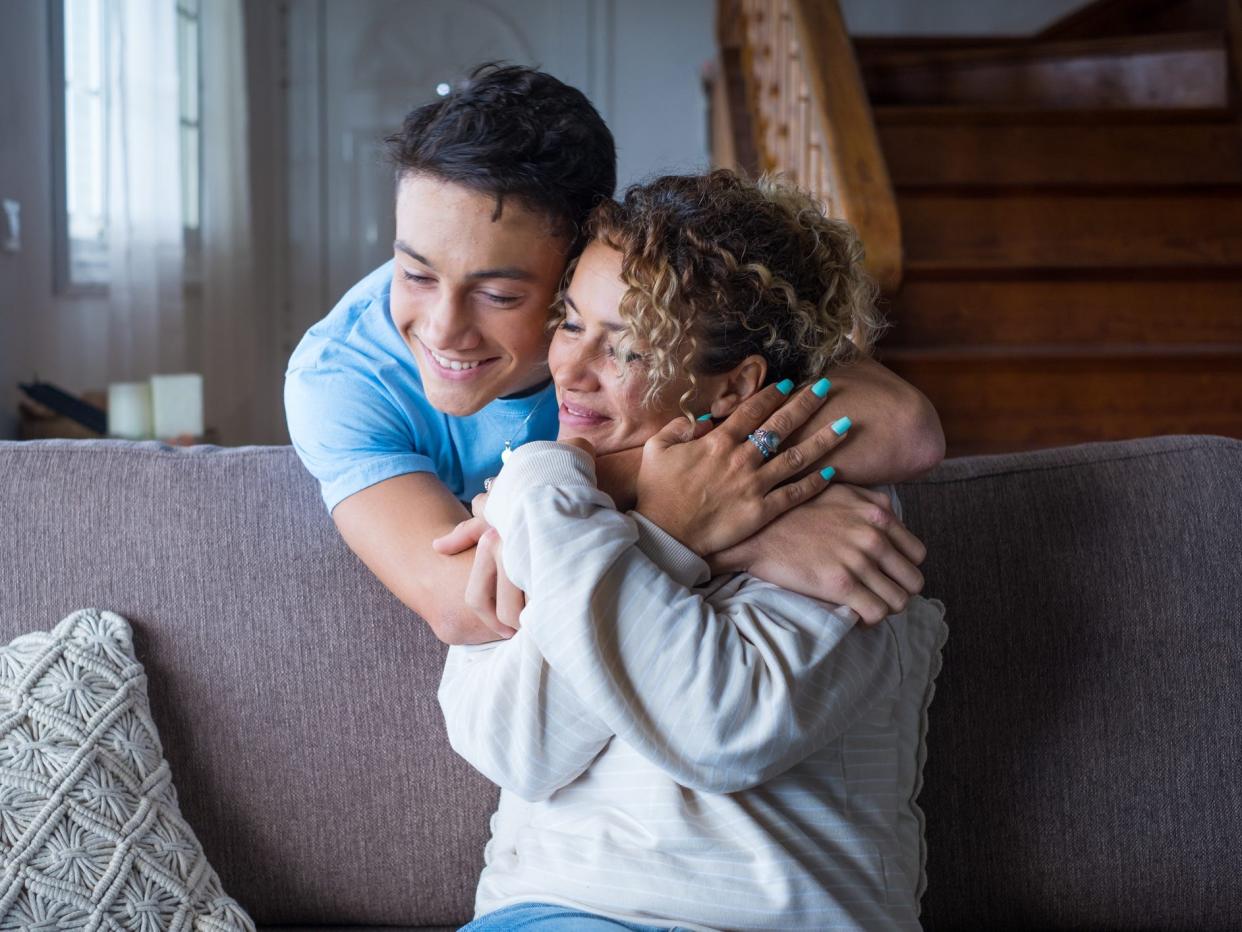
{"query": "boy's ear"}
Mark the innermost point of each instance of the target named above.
(738, 384)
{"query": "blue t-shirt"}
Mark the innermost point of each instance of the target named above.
(357, 414)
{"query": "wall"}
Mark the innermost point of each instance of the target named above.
(25, 277)
(654, 101)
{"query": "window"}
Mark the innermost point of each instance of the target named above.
(191, 128)
(85, 142)
(80, 85)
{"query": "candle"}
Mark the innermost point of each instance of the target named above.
(129, 410)
(177, 405)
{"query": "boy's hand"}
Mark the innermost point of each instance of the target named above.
(489, 593)
(845, 546)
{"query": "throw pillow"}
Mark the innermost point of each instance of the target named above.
(91, 836)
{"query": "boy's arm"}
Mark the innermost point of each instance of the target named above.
(390, 526)
(383, 493)
(896, 434)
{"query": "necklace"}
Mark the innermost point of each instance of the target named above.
(508, 450)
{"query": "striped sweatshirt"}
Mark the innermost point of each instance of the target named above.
(674, 749)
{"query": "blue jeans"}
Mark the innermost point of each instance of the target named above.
(547, 916)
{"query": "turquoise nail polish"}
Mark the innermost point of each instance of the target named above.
(841, 426)
(820, 388)
(784, 386)
(705, 417)
(827, 473)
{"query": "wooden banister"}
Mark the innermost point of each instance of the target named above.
(811, 118)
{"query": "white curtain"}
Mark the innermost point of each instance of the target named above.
(146, 332)
(233, 322)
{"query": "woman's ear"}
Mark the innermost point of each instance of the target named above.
(738, 384)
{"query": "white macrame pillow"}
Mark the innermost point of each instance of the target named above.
(91, 836)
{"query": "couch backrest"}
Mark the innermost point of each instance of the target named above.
(1083, 744)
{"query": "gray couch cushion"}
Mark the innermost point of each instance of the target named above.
(1084, 742)
(294, 695)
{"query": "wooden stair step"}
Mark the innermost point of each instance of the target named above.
(1065, 312)
(1135, 17)
(986, 230)
(879, 48)
(963, 51)
(1167, 70)
(998, 402)
(1201, 146)
(1005, 114)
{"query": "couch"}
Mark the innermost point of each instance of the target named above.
(1085, 745)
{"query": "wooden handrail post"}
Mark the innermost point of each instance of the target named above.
(863, 191)
(799, 88)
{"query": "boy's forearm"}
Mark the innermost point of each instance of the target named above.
(390, 526)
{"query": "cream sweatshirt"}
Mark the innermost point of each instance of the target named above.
(679, 750)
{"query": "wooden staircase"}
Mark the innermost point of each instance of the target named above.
(1071, 228)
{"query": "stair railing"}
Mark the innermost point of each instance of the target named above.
(810, 115)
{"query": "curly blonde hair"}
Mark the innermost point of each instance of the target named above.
(719, 268)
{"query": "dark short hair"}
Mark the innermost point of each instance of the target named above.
(511, 131)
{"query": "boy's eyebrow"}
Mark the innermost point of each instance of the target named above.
(508, 271)
(608, 324)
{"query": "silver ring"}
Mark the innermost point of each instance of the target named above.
(487, 483)
(766, 441)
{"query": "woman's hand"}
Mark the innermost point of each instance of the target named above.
(712, 488)
(845, 546)
(489, 592)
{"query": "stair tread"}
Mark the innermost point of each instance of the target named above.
(1007, 402)
(1115, 311)
(1165, 70)
(1045, 351)
(944, 272)
(973, 113)
(1073, 154)
(1059, 230)
(1034, 49)
(1127, 190)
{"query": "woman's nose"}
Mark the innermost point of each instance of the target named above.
(578, 368)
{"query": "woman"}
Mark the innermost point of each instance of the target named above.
(676, 750)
